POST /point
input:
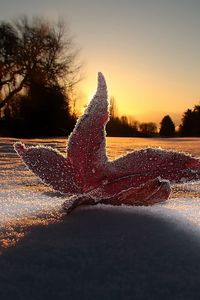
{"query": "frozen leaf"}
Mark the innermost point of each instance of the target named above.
(139, 178)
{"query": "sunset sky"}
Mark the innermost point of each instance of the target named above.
(148, 50)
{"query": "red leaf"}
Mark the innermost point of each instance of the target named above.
(86, 173)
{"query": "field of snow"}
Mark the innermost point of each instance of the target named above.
(97, 252)
(25, 201)
(23, 195)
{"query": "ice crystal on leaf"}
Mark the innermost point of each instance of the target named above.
(141, 177)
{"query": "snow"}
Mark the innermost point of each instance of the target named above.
(102, 251)
(96, 252)
(20, 204)
(23, 195)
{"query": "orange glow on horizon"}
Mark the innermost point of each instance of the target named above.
(145, 98)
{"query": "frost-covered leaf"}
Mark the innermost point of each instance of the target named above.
(139, 178)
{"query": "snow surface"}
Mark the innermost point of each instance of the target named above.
(97, 252)
(22, 194)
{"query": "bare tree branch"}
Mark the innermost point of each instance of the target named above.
(35, 51)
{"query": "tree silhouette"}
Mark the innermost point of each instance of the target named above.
(120, 126)
(44, 111)
(167, 128)
(35, 51)
(148, 129)
(38, 70)
(191, 122)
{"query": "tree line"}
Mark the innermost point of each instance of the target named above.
(39, 69)
(127, 126)
(189, 127)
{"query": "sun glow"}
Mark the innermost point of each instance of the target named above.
(146, 98)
